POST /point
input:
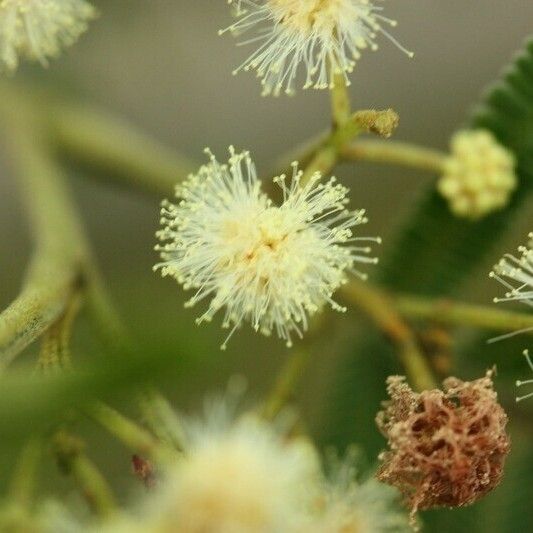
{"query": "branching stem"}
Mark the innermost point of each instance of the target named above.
(395, 153)
(56, 270)
(377, 305)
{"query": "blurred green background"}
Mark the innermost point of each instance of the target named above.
(161, 64)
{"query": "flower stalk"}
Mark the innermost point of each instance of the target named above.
(377, 305)
(23, 480)
(129, 433)
(395, 153)
(72, 460)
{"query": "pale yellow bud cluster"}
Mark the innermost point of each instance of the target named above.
(478, 176)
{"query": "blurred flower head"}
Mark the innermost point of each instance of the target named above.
(271, 266)
(347, 505)
(326, 36)
(479, 175)
(39, 29)
(446, 448)
(237, 475)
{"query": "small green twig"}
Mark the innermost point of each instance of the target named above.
(293, 369)
(395, 153)
(130, 434)
(382, 123)
(161, 418)
(449, 312)
(55, 273)
(72, 460)
(286, 381)
(55, 343)
(340, 101)
(22, 483)
(378, 306)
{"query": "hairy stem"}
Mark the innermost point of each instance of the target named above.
(55, 272)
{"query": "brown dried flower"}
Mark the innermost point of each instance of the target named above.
(447, 448)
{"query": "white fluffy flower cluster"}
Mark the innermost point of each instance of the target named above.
(248, 477)
(39, 29)
(478, 176)
(515, 273)
(327, 36)
(272, 266)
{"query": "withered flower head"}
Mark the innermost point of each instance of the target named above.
(447, 448)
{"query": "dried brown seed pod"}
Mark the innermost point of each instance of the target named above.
(446, 448)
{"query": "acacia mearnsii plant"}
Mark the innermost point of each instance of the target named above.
(414, 420)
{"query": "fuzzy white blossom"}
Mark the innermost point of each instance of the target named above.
(478, 176)
(238, 475)
(326, 36)
(515, 273)
(39, 29)
(348, 505)
(272, 266)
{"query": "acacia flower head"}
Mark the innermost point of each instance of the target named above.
(515, 273)
(478, 176)
(348, 505)
(236, 475)
(270, 265)
(39, 29)
(326, 36)
(446, 448)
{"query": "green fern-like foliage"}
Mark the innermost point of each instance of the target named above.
(444, 248)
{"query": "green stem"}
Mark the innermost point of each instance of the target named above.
(162, 419)
(378, 306)
(22, 483)
(73, 461)
(449, 312)
(340, 101)
(285, 384)
(395, 153)
(55, 344)
(382, 123)
(113, 147)
(55, 272)
(129, 433)
(93, 485)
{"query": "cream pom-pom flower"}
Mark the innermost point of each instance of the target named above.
(478, 176)
(347, 505)
(515, 273)
(39, 29)
(272, 266)
(326, 36)
(236, 475)
(243, 478)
